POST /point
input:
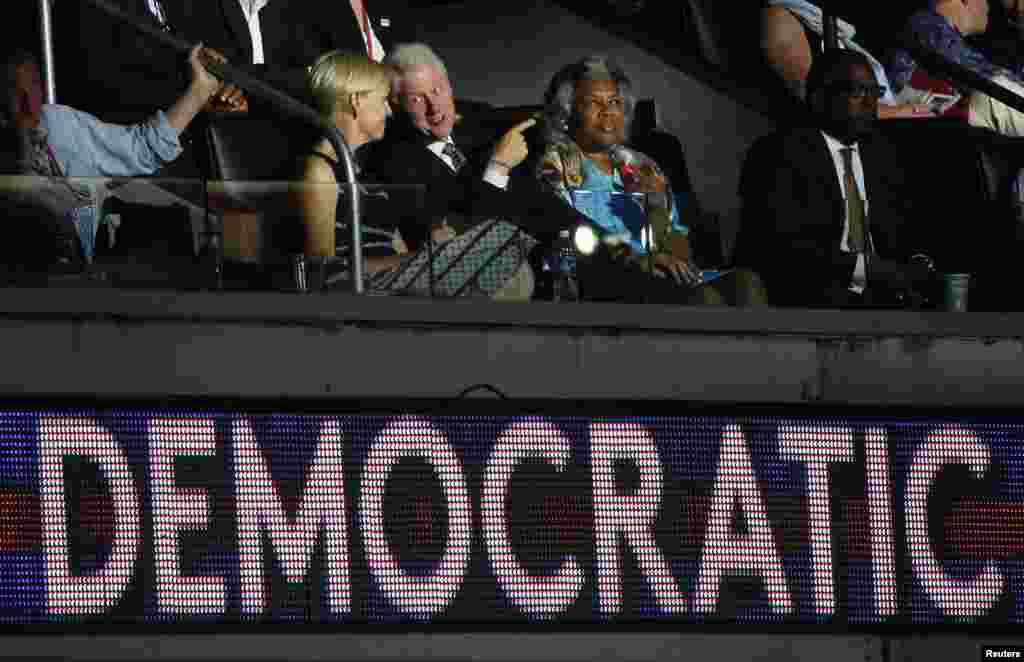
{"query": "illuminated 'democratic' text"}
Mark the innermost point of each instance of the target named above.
(274, 538)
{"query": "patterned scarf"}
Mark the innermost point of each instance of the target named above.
(562, 165)
(561, 168)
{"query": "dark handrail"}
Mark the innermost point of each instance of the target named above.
(830, 22)
(282, 103)
(935, 62)
(960, 74)
(49, 75)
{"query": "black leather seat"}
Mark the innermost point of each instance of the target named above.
(243, 147)
(958, 180)
(667, 151)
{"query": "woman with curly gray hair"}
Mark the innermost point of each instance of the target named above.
(589, 109)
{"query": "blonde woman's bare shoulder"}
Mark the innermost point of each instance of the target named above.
(316, 168)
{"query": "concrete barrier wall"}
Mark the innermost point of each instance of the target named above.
(108, 343)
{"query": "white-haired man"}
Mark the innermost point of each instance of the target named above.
(465, 175)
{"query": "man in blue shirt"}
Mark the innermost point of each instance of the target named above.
(58, 142)
(78, 144)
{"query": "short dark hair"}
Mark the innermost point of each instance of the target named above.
(833, 65)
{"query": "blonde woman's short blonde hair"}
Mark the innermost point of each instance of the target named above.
(336, 76)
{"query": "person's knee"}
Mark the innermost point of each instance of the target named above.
(708, 295)
(740, 288)
(992, 114)
(750, 289)
(519, 287)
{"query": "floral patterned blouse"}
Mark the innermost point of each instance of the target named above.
(610, 200)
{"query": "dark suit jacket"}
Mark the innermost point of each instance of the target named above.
(295, 32)
(793, 213)
(108, 68)
(403, 158)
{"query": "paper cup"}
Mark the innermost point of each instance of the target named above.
(954, 292)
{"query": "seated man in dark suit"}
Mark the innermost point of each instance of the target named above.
(431, 143)
(825, 222)
(470, 177)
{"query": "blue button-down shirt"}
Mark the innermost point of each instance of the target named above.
(84, 146)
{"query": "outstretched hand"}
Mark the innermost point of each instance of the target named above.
(683, 272)
(512, 148)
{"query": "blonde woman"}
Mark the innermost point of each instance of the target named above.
(488, 260)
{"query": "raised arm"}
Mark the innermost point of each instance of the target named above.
(202, 88)
(117, 150)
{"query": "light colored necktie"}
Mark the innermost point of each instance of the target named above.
(455, 154)
(856, 219)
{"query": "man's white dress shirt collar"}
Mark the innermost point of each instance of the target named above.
(251, 12)
(859, 280)
(494, 175)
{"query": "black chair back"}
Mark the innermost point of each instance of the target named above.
(246, 147)
(254, 148)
